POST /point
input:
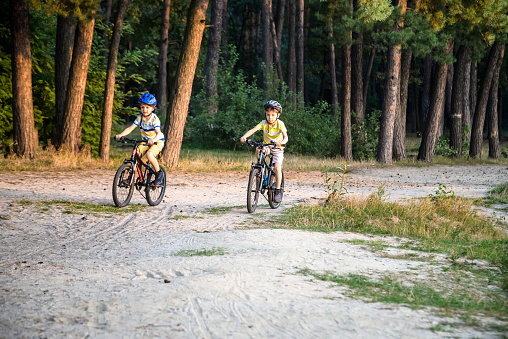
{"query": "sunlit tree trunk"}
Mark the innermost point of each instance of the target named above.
(431, 130)
(182, 89)
(346, 142)
(493, 117)
(475, 150)
(457, 101)
(71, 132)
(25, 135)
(65, 34)
(333, 75)
(109, 88)
(357, 72)
(399, 130)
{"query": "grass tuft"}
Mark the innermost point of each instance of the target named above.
(202, 252)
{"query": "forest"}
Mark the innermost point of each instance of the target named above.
(355, 77)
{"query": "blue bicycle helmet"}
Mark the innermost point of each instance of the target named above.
(273, 104)
(148, 99)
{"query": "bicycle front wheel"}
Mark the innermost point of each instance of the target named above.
(155, 193)
(253, 189)
(123, 185)
(271, 191)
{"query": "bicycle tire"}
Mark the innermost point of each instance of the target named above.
(155, 193)
(271, 192)
(253, 189)
(123, 185)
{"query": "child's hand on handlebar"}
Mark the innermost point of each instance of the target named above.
(243, 139)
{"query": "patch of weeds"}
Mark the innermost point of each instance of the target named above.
(374, 245)
(202, 252)
(461, 299)
(181, 216)
(73, 207)
(498, 195)
(220, 210)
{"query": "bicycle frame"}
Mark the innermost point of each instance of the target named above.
(138, 165)
(262, 178)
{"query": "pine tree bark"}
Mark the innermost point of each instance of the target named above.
(291, 67)
(71, 132)
(266, 16)
(162, 69)
(25, 135)
(457, 101)
(333, 74)
(357, 72)
(493, 121)
(212, 55)
(399, 131)
(182, 89)
(431, 130)
(475, 150)
(390, 104)
(300, 47)
(109, 88)
(346, 142)
(65, 34)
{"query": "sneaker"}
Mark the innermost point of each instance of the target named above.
(277, 196)
(159, 178)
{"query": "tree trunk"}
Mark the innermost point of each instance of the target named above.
(390, 104)
(333, 74)
(300, 46)
(457, 101)
(213, 53)
(493, 121)
(399, 132)
(357, 72)
(366, 83)
(184, 77)
(109, 88)
(467, 119)
(291, 68)
(436, 110)
(426, 90)
(475, 150)
(65, 34)
(25, 135)
(346, 144)
(276, 51)
(162, 69)
(267, 43)
(71, 132)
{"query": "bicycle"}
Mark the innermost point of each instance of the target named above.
(262, 178)
(135, 173)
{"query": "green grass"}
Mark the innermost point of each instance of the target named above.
(390, 289)
(74, 207)
(498, 195)
(201, 252)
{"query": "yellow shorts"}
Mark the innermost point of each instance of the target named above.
(155, 149)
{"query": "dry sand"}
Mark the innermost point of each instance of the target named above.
(79, 275)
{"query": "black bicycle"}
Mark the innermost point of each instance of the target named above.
(135, 173)
(262, 178)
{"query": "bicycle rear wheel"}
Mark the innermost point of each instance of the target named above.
(253, 189)
(155, 193)
(123, 185)
(271, 191)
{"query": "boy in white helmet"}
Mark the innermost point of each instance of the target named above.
(275, 131)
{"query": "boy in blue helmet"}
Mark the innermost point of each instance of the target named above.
(150, 128)
(274, 130)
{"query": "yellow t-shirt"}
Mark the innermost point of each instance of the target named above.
(272, 133)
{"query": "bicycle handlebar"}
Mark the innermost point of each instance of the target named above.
(260, 144)
(125, 140)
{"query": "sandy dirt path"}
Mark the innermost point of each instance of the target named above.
(79, 275)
